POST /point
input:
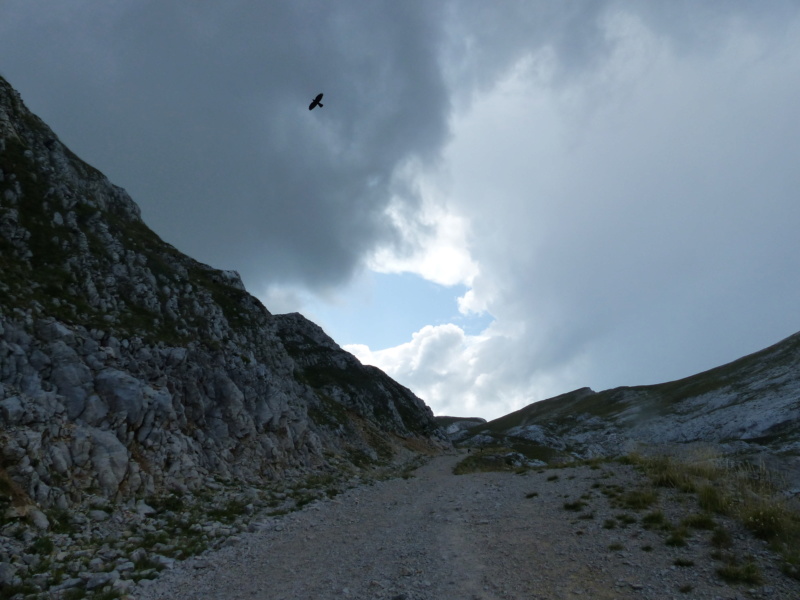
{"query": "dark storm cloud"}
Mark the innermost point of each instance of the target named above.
(484, 38)
(199, 109)
(626, 170)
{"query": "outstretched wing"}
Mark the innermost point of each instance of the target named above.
(315, 102)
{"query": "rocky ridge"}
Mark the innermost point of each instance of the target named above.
(129, 371)
(749, 408)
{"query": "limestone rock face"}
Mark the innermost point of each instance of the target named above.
(127, 367)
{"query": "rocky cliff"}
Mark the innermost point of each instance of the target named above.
(127, 368)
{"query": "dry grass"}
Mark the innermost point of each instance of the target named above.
(484, 460)
(743, 491)
(735, 572)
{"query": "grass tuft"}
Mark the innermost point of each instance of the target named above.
(713, 499)
(699, 521)
(616, 546)
(721, 538)
(737, 573)
(639, 499)
(677, 538)
(654, 520)
(626, 519)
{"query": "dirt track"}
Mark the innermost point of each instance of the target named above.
(481, 536)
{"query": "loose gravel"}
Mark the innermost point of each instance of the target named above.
(545, 534)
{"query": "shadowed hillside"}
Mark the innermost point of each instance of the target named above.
(749, 407)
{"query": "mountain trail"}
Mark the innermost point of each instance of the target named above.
(480, 536)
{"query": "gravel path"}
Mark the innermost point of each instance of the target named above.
(483, 536)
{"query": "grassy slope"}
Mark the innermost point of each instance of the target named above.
(746, 377)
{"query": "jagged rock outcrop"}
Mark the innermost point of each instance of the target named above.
(458, 428)
(127, 368)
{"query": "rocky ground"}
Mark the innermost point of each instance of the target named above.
(100, 549)
(578, 532)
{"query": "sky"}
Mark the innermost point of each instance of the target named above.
(499, 202)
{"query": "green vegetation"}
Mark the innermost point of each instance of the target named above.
(677, 537)
(655, 520)
(228, 513)
(501, 458)
(10, 591)
(41, 545)
(735, 572)
(639, 499)
(713, 499)
(625, 519)
(721, 538)
(485, 460)
(60, 521)
(744, 492)
(699, 521)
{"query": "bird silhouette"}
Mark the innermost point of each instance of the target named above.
(316, 102)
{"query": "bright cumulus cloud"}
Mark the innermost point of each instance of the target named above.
(439, 363)
(464, 375)
(435, 240)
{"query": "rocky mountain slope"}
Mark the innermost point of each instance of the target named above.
(750, 406)
(128, 369)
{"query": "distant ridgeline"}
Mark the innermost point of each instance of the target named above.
(749, 408)
(128, 368)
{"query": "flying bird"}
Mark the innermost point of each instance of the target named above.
(317, 102)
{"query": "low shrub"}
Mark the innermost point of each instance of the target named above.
(699, 521)
(740, 573)
(712, 498)
(616, 546)
(721, 538)
(678, 537)
(639, 499)
(653, 520)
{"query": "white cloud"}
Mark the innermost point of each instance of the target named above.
(438, 364)
(631, 225)
(434, 237)
(460, 374)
